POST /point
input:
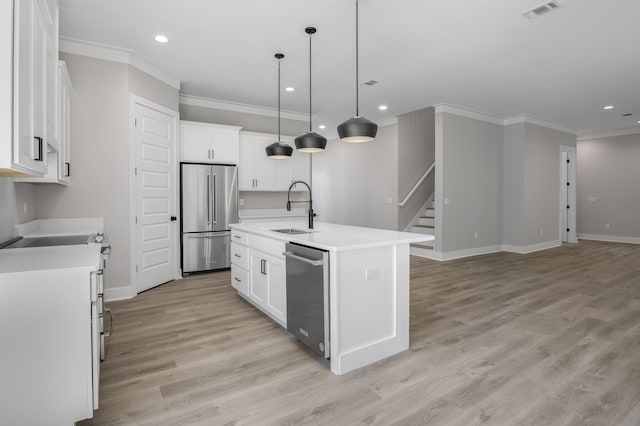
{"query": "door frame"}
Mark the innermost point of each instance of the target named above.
(572, 201)
(133, 242)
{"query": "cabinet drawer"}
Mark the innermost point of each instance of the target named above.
(267, 245)
(240, 279)
(239, 237)
(240, 255)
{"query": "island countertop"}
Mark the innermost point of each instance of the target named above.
(332, 237)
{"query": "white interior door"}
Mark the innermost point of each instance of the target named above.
(155, 197)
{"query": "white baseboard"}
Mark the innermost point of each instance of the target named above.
(119, 293)
(531, 248)
(609, 238)
(459, 254)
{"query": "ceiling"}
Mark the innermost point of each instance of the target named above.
(562, 67)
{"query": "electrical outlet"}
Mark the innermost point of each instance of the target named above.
(446, 201)
(541, 231)
(475, 235)
(607, 226)
(371, 274)
(241, 201)
(389, 200)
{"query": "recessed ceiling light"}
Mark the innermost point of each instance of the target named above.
(609, 107)
(322, 126)
(382, 107)
(290, 89)
(161, 38)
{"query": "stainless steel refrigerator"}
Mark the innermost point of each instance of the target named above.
(209, 203)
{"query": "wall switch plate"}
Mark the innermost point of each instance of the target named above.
(541, 231)
(389, 200)
(592, 198)
(371, 274)
(607, 226)
(241, 201)
(446, 201)
(24, 208)
(475, 235)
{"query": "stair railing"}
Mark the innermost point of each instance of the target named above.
(415, 187)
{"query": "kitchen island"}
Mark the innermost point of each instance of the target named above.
(368, 309)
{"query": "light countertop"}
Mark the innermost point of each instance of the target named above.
(60, 227)
(332, 237)
(13, 261)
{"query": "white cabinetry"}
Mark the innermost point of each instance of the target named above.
(29, 53)
(59, 161)
(209, 143)
(258, 273)
(257, 172)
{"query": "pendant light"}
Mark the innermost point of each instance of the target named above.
(279, 150)
(357, 129)
(310, 141)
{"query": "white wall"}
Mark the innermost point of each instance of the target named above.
(513, 185)
(542, 183)
(17, 205)
(609, 170)
(100, 152)
(352, 182)
(470, 154)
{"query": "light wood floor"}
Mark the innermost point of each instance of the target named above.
(550, 338)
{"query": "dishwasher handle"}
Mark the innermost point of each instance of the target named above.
(302, 259)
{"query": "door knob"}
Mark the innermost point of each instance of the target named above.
(173, 218)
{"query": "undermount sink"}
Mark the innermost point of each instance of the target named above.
(290, 231)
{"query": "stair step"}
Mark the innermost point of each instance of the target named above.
(423, 229)
(430, 212)
(426, 220)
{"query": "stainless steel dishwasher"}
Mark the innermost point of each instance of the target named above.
(308, 296)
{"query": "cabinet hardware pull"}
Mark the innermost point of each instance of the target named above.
(213, 154)
(68, 174)
(239, 280)
(38, 139)
(236, 236)
(236, 255)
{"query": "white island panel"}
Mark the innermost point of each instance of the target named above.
(369, 317)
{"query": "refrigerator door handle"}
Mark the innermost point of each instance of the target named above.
(215, 200)
(208, 199)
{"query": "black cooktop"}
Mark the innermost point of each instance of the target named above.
(67, 240)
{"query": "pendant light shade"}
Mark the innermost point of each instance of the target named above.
(279, 150)
(310, 141)
(357, 129)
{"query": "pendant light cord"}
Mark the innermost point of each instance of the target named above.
(279, 100)
(310, 82)
(357, 60)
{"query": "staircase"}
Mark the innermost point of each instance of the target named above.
(424, 223)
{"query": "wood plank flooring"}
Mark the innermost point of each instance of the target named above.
(550, 338)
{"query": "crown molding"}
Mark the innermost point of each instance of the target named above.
(480, 116)
(531, 119)
(238, 107)
(609, 134)
(115, 54)
(388, 122)
(468, 113)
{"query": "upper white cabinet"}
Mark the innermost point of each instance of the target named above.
(29, 50)
(209, 143)
(65, 89)
(59, 156)
(257, 172)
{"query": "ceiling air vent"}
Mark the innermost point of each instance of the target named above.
(371, 82)
(542, 9)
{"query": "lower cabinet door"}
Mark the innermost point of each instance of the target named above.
(240, 280)
(277, 288)
(258, 281)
